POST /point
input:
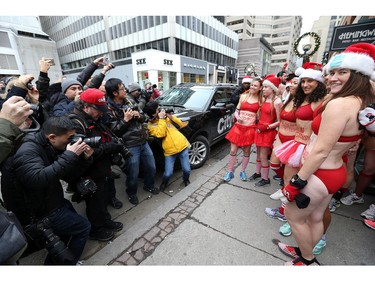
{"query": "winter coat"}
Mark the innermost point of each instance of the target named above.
(173, 141)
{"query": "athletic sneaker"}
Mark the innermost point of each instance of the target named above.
(262, 182)
(299, 261)
(352, 198)
(243, 176)
(254, 176)
(369, 213)
(293, 252)
(276, 195)
(285, 230)
(228, 176)
(276, 178)
(319, 247)
(369, 223)
(333, 205)
(275, 214)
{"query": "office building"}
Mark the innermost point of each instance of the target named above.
(164, 49)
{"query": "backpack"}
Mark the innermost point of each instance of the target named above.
(12, 239)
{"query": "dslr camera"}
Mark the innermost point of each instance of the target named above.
(168, 110)
(132, 107)
(43, 237)
(93, 142)
(85, 188)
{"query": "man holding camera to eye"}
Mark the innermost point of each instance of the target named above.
(162, 125)
(126, 120)
(88, 115)
(32, 189)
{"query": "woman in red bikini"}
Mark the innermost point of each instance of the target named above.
(269, 120)
(309, 94)
(243, 131)
(335, 129)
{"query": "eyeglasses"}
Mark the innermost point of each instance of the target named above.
(122, 89)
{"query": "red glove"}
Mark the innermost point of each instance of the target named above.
(262, 127)
(290, 192)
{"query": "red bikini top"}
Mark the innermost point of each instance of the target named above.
(315, 125)
(252, 107)
(305, 112)
(288, 115)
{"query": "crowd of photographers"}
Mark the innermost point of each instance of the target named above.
(74, 131)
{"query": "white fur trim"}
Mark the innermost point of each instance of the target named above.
(299, 71)
(313, 74)
(271, 85)
(247, 80)
(355, 61)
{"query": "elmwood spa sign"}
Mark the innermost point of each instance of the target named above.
(345, 35)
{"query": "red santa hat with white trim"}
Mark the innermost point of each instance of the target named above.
(247, 79)
(359, 57)
(311, 70)
(272, 81)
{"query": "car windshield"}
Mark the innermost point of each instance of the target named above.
(195, 97)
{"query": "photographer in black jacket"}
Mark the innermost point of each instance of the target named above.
(87, 114)
(126, 120)
(31, 186)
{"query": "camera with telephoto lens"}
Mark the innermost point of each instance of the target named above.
(93, 142)
(132, 107)
(40, 234)
(125, 152)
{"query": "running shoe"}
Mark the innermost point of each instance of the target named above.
(319, 247)
(293, 252)
(254, 176)
(300, 262)
(369, 223)
(243, 176)
(276, 195)
(263, 182)
(369, 213)
(285, 230)
(352, 198)
(333, 205)
(228, 176)
(275, 214)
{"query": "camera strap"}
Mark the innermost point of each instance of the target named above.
(78, 120)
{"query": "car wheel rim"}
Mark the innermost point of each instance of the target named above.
(197, 153)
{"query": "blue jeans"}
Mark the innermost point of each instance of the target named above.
(185, 165)
(141, 154)
(66, 223)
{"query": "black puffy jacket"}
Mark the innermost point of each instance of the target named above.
(38, 168)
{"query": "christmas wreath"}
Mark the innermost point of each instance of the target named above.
(316, 43)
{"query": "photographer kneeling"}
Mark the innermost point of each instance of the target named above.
(32, 189)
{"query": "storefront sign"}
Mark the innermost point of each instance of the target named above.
(140, 61)
(345, 35)
(168, 62)
(190, 65)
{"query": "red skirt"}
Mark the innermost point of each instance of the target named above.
(290, 153)
(241, 135)
(265, 138)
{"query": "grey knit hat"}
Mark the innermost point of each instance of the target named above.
(133, 87)
(66, 83)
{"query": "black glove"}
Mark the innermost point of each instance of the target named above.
(302, 200)
(111, 147)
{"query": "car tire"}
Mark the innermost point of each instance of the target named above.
(198, 152)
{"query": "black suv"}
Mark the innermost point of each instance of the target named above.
(209, 112)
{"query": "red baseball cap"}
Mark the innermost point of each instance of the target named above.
(95, 97)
